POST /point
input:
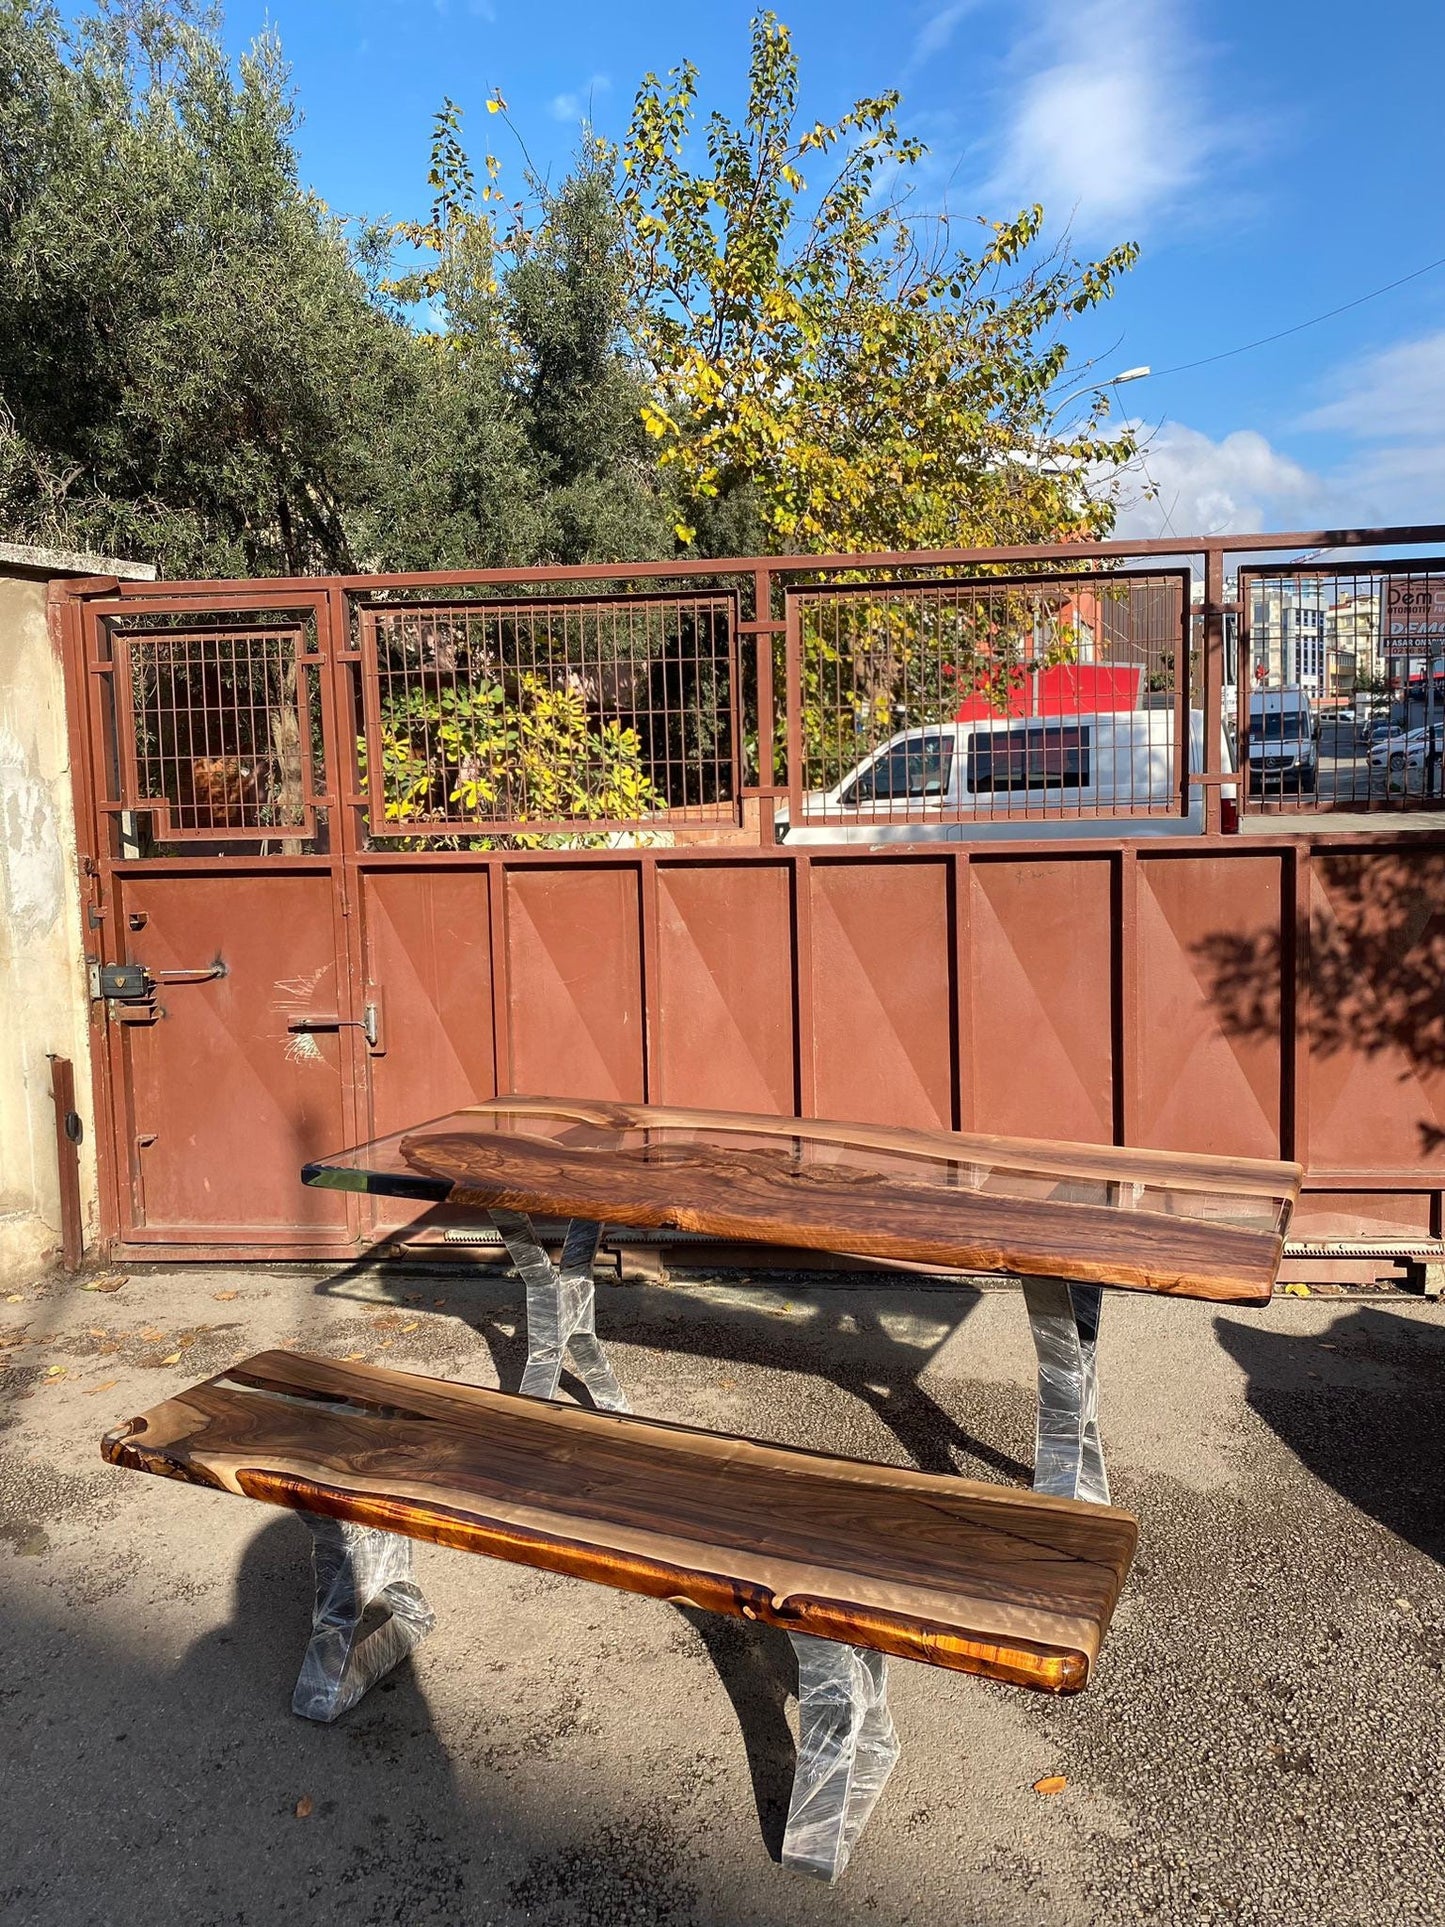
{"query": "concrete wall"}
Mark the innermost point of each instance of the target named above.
(43, 992)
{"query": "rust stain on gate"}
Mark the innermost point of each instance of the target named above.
(388, 844)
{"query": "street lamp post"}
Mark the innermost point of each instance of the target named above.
(1114, 381)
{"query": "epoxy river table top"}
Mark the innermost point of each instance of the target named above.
(1198, 1226)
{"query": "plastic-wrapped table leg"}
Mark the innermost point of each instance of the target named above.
(356, 1567)
(846, 1749)
(1068, 1454)
(561, 1309)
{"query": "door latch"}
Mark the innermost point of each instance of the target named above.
(368, 1023)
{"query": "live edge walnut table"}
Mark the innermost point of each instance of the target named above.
(1067, 1218)
(853, 1560)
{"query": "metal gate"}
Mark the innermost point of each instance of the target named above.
(357, 851)
(1362, 645)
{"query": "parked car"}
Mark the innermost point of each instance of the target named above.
(1403, 749)
(1350, 723)
(1040, 777)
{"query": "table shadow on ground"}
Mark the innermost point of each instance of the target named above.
(844, 1343)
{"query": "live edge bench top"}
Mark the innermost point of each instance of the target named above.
(1199, 1226)
(978, 1578)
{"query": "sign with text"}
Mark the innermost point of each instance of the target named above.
(1412, 611)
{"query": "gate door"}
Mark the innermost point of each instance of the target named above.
(231, 1072)
(223, 1004)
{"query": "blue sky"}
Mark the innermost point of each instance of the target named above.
(1273, 159)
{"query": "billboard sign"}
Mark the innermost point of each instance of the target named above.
(1412, 611)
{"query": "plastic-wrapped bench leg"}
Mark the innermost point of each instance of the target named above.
(561, 1309)
(1069, 1454)
(356, 1567)
(846, 1749)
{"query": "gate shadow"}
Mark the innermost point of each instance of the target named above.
(1362, 1407)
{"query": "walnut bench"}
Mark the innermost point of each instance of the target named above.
(853, 1560)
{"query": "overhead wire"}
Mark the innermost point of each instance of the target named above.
(1227, 354)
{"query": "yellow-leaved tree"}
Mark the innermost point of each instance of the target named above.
(816, 348)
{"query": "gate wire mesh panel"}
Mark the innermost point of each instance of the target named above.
(1341, 697)
(217, 731)
(566, 716)
(1024, 697)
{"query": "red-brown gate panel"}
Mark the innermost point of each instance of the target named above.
(1211, 955)
(429, 973)
(881, 1003)
(1039, 972)
(225, 1098)
(1374, 1010)
(574, 1023)
(721, 1006)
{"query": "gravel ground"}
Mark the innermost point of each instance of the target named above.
(1262, 1743)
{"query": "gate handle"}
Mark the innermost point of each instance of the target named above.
(217, 969)
(366, 1023)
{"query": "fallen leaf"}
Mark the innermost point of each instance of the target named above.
(353, 1358)
(55, 1371)
(18, 1297)
(304, 1807)
(439, 1301)
(94, 1332)
(171, 1358)
(413, 1326)
(225, 1297)
(1053, 1783)
(105, 1387)
(1296, 1291)
(109, 1281)
(149, 1331)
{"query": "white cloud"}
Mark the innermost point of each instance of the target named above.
(1384, 464)
(1106, 118)
(578, 105)
(1398, 392)
(937, 31)
(1187, 484)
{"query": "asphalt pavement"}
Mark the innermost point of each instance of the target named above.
(1262, 1743)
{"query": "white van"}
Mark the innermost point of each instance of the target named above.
(1049, 777)
(1283, 733)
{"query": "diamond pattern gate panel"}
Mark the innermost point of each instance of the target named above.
(1372, 1017)
(880, 1026)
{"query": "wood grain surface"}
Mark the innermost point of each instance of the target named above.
(1208, 1228)
(1028, 1156)
(977, 1578)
